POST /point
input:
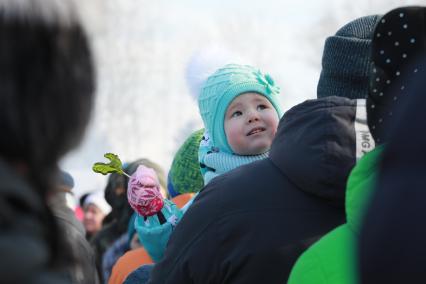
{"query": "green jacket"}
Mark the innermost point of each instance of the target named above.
(332, 258)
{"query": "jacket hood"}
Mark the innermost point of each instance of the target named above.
(318, 143)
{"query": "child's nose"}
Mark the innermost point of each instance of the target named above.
(253, 116)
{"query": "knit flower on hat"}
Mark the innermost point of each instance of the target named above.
(268, 82)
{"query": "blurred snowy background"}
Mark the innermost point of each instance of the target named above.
(144, 108)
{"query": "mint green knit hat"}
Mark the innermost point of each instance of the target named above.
(221, 88)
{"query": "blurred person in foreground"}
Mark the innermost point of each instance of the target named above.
(391, 236)
(47, 83)
(390, 244)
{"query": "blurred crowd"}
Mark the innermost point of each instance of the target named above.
(329, 191)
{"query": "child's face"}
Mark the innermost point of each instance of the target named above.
(250, 124)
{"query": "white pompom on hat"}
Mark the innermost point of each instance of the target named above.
(204, 62)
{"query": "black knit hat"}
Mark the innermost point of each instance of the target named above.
(346, 60)
(399, 42)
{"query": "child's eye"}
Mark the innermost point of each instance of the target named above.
(236, 113)
(261, 107)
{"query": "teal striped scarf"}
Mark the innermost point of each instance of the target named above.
(213, 162)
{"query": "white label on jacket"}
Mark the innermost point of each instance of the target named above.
(364, 139)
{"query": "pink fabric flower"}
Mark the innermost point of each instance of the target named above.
(143, 192)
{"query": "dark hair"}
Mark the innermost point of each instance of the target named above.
(47, 83)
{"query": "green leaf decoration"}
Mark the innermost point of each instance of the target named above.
(114, 166)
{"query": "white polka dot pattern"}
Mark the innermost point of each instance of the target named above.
(400, 39)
